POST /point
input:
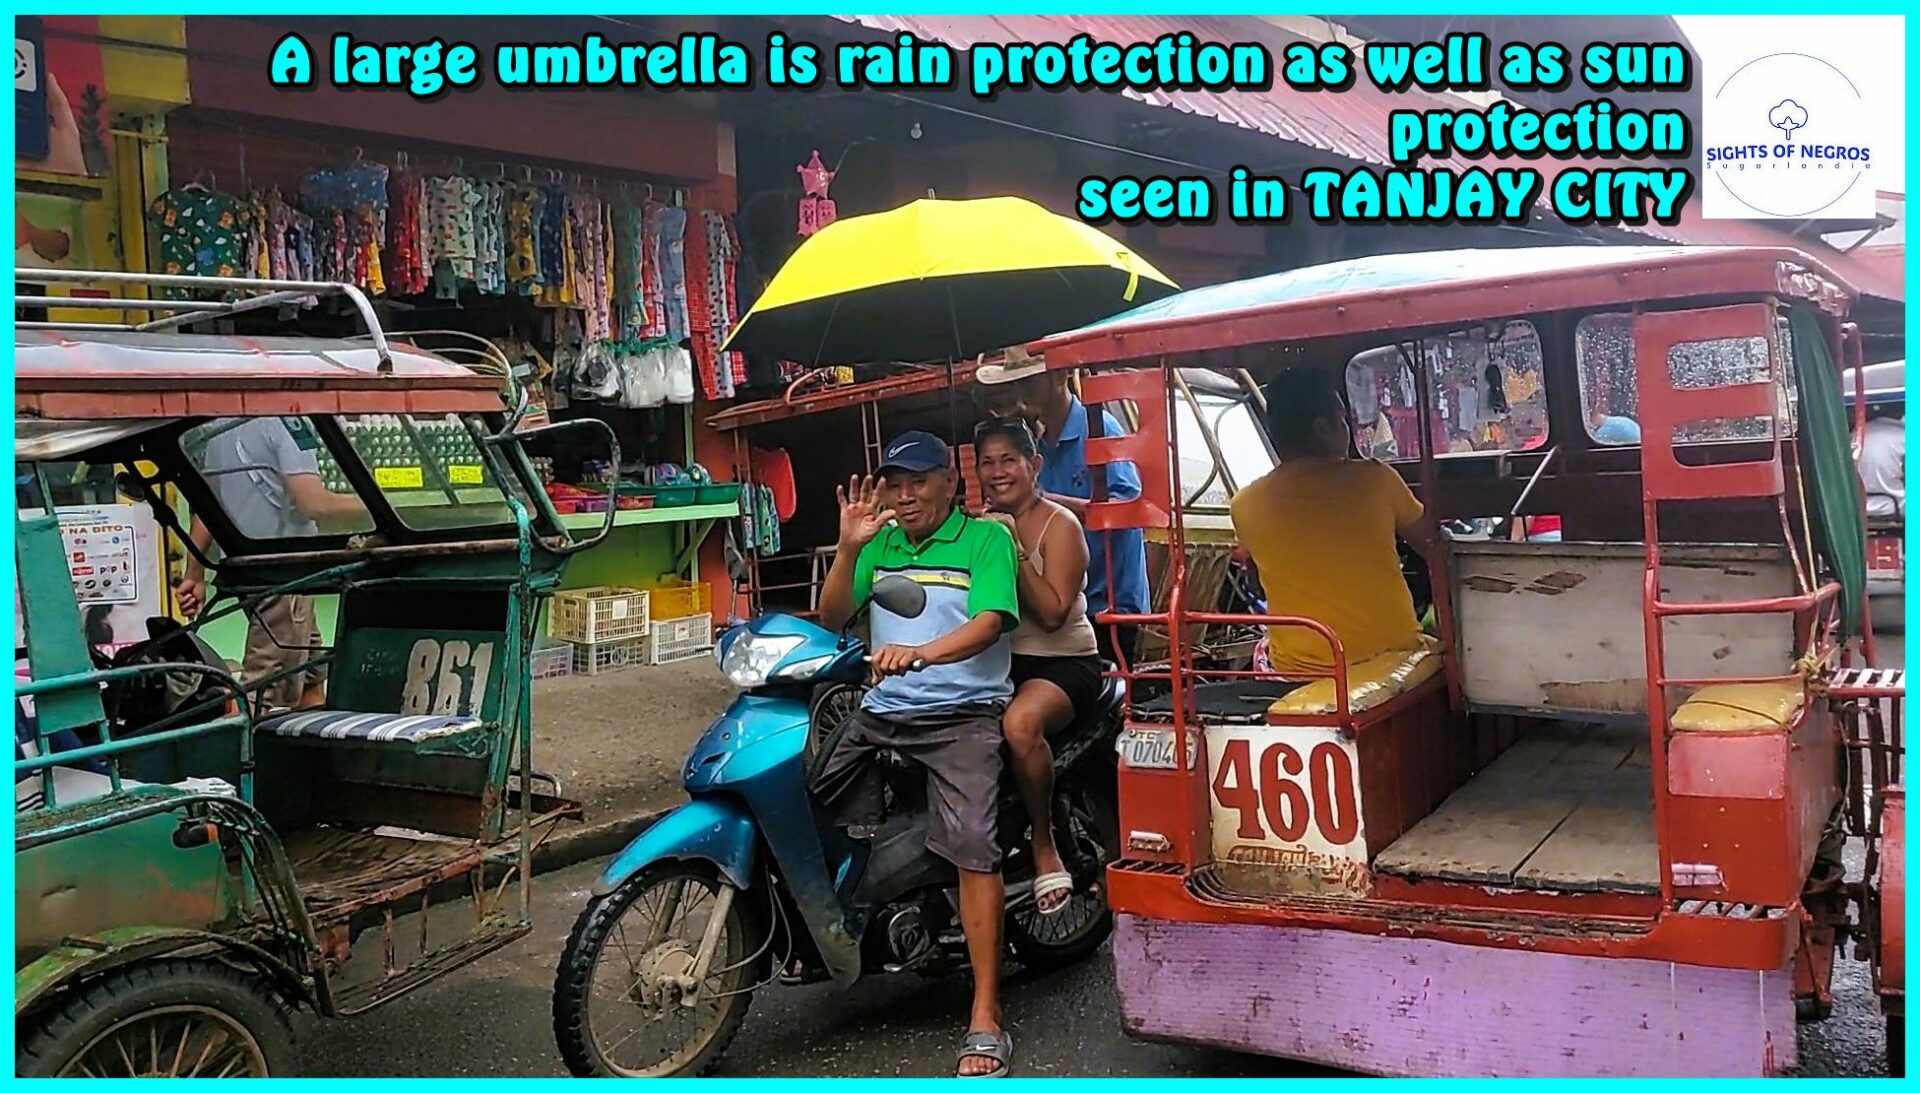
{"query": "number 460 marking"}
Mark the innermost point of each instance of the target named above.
(1328, 798)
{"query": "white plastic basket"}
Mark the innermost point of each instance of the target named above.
(552, 661)
(596, 615)
(601, 657)
(673, 640)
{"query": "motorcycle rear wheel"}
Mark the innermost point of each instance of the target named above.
(1077, 932)
(622, 934)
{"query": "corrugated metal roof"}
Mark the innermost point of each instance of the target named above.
(1352, 124)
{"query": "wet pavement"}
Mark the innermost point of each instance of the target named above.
(494, 1018)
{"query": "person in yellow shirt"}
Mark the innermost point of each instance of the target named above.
(1320, 528)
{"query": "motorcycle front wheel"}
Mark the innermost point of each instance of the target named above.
(624, 1001)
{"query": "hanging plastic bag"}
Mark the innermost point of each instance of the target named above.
(596, 377)
(653, 379)
(642, 385)
(679, 375)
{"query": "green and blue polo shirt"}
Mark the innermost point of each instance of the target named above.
(968, 567)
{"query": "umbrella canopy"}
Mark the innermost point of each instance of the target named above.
(942, 280)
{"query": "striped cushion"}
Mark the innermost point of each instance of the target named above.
(383, 727)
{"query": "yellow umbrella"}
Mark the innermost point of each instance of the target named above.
(943, 280)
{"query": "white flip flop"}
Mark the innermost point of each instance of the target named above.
(1047, 884)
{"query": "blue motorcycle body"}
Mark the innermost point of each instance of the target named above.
(746, 780)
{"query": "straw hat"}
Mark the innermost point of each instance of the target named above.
(1017, 364)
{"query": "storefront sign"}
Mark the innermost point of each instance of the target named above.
(59, 97)
(113, 553)
(29, 88)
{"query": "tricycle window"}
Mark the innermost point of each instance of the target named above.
(277, 477)
(429, 468)
(1233, 424)
(1610, 402)
(1488, 393)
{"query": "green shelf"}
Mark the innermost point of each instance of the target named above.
(680, 514)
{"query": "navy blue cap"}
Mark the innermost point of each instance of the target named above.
(916, 452)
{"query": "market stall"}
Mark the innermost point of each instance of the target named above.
(604, 282)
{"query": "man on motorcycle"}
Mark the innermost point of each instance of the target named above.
(941, 685)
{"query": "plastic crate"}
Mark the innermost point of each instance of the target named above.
(673, 640)
(679, 600)
(600, 614)
(601, 657)
(552, 661)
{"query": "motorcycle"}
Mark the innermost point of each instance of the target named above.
(750, 882)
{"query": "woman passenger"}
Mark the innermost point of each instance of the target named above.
(1056, 660)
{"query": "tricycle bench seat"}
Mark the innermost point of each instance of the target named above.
(1742, 707)
(1372, 682)
(369, 727)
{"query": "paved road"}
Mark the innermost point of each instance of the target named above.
(494, 1019)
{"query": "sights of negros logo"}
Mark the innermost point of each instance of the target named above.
(1788, 135)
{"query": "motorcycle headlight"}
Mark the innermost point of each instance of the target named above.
(751, 658)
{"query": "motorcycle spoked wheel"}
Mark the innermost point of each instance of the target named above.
(621, 936)
(1077, 931)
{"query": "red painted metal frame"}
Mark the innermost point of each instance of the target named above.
(1159, 884)
(1663, 408)
(1712, 941)
(839, 398)
(419, 383)
(1890, 965)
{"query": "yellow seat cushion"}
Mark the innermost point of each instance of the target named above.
(1741, 707)
(1369, 683)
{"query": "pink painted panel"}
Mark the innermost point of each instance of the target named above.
(1419, 1008)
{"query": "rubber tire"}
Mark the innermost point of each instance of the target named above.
(575, 975)
(57, 1034)
(1043, 956)
(1896, 1045)
(818, 733)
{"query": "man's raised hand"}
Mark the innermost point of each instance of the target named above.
(861, 516)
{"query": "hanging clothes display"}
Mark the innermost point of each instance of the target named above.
(668, 229)
(629, 263)
(200, 233)
(711, 265)
(657, 282)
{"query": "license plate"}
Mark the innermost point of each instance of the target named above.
(1152, 749)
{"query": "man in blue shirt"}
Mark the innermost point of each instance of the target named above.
(1023, 387)
(1606, 428)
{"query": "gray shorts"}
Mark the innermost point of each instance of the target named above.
(960, 750)
(284, 635)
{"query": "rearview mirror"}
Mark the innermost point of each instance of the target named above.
(900, 596)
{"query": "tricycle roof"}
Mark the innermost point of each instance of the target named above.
(83, 375)
(1407, 291)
